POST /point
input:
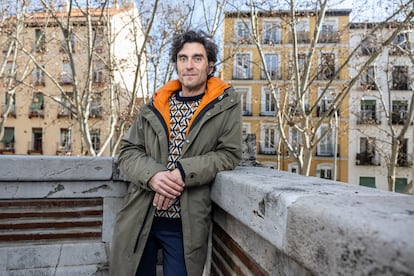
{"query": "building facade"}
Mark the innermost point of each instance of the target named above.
(381, 103)
(68, 76)
(243, 68)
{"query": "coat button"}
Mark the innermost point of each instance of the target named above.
(187, 141)
(208, 113)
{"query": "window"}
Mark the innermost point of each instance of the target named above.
(65, 105)
(324, 171)
(272, 65)
(242, 32)
(399, 112)
(400, 185)
(326, 101)
(268, 102)
(242, 67)
(40, 40)
(37, 105)
(98, 72)
(245, 95)
(268, 139)
(368, 114)
(96, 139)
(10, 104)
(301, 65)
(368, 45)
(326, 144)
(8, 139)
(9, 70)
(295, 139)
(400, 77)
(367, 181)
(329, 33)
(368, 80)
(38, 76)
(66, 75)
(98, 39)
(64, 140)
(293, 168)
(302, 31)
(271, 33)
(37, 141)
(96, 105)
(68, 40)
(246, 128)
(398, 45)
(327, 66)
(404, 159)
(366, 155)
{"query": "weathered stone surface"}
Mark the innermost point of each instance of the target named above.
(328, 227)
(38, 168)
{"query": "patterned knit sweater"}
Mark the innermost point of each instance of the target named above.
(181, 112)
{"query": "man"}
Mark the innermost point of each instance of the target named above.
(189, 131)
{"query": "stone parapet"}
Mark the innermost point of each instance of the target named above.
(57, 216)
(294, 225)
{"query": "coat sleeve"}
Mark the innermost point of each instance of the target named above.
(202, 169)
(134, 161)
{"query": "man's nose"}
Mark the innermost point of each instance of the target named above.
(189, 63)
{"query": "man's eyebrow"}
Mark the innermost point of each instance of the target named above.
(195, 55)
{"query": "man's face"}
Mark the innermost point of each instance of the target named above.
(193, 68)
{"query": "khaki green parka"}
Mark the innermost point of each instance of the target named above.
(213, 144)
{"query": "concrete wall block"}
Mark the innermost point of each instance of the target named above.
(39, 256)
(50, 168)
(60, 189)
(82, 254)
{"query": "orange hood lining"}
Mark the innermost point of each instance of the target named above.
(215, 88)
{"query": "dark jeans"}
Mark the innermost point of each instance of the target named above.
(171, 243)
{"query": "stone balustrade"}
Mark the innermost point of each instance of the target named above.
(57, 215)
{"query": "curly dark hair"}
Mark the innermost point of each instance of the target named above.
(199, 37)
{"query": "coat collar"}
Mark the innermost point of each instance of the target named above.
(215, 88)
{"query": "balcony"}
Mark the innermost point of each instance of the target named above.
(405, 160)
(302, 37)
(368, 50)
(399, 118)
(368, 117)
(266, 222)
(63, 149)
(36, 113)
(366, 159)
(35, 148)
(267, 151)
(329, 152)
(329, 37)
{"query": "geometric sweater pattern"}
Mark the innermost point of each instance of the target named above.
(181, 111)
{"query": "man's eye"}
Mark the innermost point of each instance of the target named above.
(198, 59)
(182, 59)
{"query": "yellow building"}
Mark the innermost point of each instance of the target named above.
(243, 68)
(86, 68)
